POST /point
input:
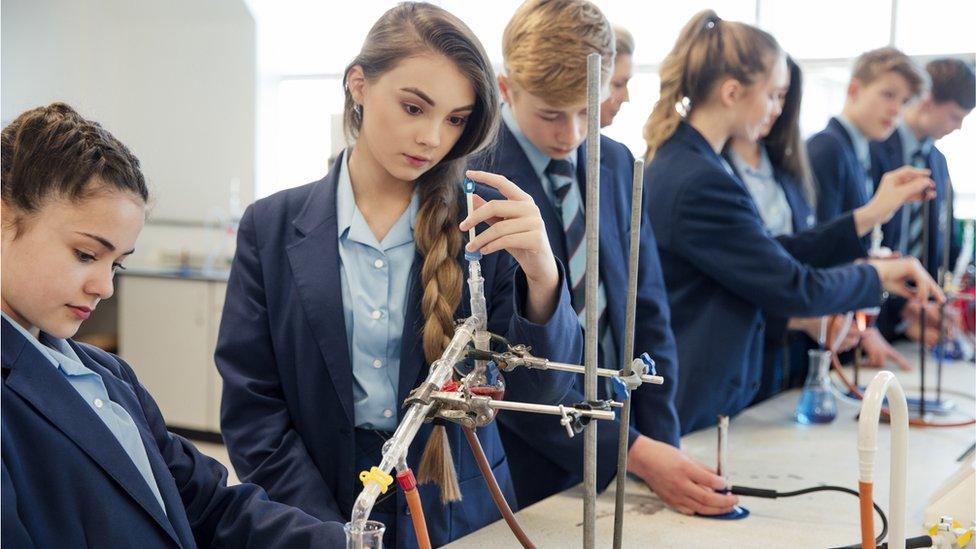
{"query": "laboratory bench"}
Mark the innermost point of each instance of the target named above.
(768, 449)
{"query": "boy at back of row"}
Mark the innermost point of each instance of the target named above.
(541, 148)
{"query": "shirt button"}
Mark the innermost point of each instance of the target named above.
(98, 403)
(379, 263)
(387, 413)
(377, 363)
(376, 314)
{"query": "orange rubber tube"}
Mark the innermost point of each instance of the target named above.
(496, 492)
(856, 391)
(866, 499)
(409, 485)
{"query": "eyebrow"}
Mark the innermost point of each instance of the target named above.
(430, 101)
(104, 242)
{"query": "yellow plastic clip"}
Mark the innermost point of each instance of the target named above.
(378, 476)
(962, 540)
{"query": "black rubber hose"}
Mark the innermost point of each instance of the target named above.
(773, 494)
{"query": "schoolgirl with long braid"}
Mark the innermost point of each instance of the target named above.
(344, 290)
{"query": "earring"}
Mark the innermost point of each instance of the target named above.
(358, 108)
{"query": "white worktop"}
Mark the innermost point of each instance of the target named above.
(767, 449)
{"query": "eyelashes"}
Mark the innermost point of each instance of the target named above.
(87, 258)
(84, 257)
(414, 110)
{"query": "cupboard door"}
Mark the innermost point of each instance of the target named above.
(217, 292)
(164, 336)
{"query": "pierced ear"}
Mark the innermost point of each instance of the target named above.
(356, 83)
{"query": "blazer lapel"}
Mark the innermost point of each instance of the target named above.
(314, 260)
(37, 381)
(519, 170)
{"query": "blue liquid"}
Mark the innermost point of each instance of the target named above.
(816, 406)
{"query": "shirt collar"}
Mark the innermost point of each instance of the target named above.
(65, 356)
(537, 158)
(352, 224)
(861, 145)
(56, 350)
(765, 168)
(910, 143)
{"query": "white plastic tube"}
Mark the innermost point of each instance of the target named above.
(395, 449)
(885, 384)
(479, 312)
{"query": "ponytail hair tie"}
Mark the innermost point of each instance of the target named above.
(683, 107)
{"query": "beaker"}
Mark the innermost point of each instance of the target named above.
(370, 536)
(817, 403)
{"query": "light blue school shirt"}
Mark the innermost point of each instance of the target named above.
(374, 276)
(768, 194)
(91, 388)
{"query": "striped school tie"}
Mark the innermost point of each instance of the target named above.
(914, 247)
(570, 204)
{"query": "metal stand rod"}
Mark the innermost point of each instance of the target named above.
(593, 62)
(454, 398)
(605, 415)
(943, 283)
(603, 372)
(637, 192)
(926, 235)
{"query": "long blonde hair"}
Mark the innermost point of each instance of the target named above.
(708, 49)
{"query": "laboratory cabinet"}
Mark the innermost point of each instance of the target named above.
(167, 333)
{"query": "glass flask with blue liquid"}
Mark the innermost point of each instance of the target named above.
(817, 403)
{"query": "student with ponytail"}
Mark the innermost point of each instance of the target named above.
(722, 267)
(776, 172)
(344, 290)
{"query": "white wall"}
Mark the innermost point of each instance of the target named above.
(174, 80)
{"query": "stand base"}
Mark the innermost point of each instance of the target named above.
(932, 406)
(736, 513)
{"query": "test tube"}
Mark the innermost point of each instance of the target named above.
(469, 198)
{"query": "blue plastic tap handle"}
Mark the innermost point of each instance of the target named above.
(651, 365)
(468, 185)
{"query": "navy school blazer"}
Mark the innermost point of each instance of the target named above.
(840, 177)
(67, 482)
(544, 460)
(723, 271)
(287, 412)
(888, 155)
(803, 218)
(775, 335)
